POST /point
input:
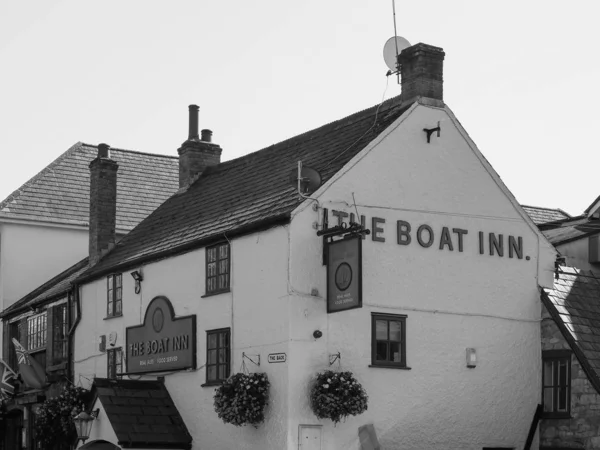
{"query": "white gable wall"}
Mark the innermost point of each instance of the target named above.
(453, 299)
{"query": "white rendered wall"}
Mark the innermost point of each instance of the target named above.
(577, 254)
(256, 309)
(453, 299)
(30, 255)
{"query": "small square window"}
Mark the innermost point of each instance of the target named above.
(388, 340)
(218, 355)
(217, 268)
(114, 363)
(556, 382)
(114, 296)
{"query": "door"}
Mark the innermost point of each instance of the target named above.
(13, 430)
(309, 437)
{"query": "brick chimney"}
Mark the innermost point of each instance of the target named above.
(422, 70)
(103, 203)
(196, 154)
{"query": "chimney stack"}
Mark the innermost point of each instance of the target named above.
(196, 154)
(422, 70)
(103, 204)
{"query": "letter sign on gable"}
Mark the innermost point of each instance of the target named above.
(162, 342)
(344, 274)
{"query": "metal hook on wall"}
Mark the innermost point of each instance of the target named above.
(256, 363)
(335, 357)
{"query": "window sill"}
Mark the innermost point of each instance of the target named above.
(57, 367)
(389, 366)
(224, 291)
(113, 317)
(551, 416)
(212, 383)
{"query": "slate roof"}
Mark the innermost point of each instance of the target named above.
(574, 304)
(51, 290)
(142, 414)
(242, 194)
(541, 215)
(570, 230)
(61, 192)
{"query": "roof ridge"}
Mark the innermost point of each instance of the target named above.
(137, 152)
(50, 167)
(546, 209)
(389, 103)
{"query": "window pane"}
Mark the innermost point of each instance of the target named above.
(212, 254)
(223, 266)
(381, 330)
(222, 371)
(212, 269)
(118, 293)
(395, 331)
(212, 340)
(118, 279)
(548, 399)
(382, 351)
(118, 308)
(211, 373)
(224, 251)
(223, 341)
(109, 309)
(222, 356)
(395, 355)
(562, 373)
(562, 399)
(548, 373)
(212, 357)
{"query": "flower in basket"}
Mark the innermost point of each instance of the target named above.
(54, 419)
(242, 398)
(337, 395)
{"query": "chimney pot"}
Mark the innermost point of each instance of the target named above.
(193, 129)
(103, 151)
(206, 136)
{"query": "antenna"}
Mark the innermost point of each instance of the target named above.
(306, 179)
(397, 43)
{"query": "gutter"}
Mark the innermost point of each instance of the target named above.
(281, 219)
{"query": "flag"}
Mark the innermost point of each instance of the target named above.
(7, 379)
(32, 372)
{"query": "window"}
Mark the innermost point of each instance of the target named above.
(388, 341)
(114, 305)
(556, 382)
(59, 333)
(217, 268)
(13, 332)
(218, 355)
(115, 362)
(36, 332)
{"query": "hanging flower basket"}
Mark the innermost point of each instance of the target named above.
(337, 395)
(54, 419)
(242, 398)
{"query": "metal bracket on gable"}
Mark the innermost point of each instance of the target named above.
(430, 131)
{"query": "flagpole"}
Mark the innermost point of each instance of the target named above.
(8, 367)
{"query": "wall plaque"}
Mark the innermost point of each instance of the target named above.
(277, 357)
(344, 274)
(162, 342)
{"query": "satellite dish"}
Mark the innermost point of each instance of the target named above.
(310, 179)
(389, 51)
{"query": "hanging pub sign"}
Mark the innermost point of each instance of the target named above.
(344, 274)
(162, 342)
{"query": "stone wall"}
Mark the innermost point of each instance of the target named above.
(582, 431)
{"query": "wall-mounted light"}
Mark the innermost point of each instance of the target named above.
(83, 424)
(471, 358)
(137, 276)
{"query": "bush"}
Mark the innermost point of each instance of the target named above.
(337, 395)
(241, 399)
(54, 420)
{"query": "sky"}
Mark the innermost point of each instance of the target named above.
(521, 77)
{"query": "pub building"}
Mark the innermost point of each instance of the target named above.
(383, 244)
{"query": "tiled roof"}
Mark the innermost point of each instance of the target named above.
(52, 289)
(246, 192)
(544, 215)
(61, 192)
(570, 230)
(142, 414)
(574, 304)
